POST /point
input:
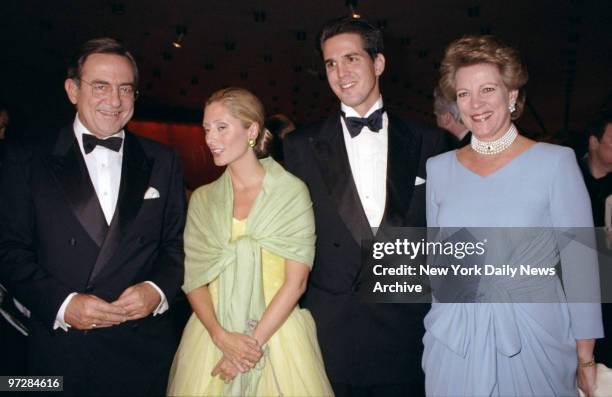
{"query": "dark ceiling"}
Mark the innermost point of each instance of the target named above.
(268, 47)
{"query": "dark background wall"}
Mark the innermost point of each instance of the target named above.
(268, 47)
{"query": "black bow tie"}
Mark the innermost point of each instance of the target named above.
(354, 124)
(90, 142)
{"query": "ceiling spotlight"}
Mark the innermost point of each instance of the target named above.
(181, 31)
(352, 5)
(177, 43)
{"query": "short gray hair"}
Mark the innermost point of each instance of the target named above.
(442, 105)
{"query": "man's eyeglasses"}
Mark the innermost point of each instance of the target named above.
(105, 90)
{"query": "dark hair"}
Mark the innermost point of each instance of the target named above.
(598, 125)
(103, 45)
(472, 50)
(371, 36)
(279, 125)
(246, 107)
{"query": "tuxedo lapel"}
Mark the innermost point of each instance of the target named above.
(67, 165)
(135, 172)
(332, 159)
(403, 157)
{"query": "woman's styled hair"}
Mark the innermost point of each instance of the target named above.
(246, 107)
(472, 50)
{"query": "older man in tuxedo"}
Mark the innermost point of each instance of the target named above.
(449, 119)
(91, 238)
(365, 168)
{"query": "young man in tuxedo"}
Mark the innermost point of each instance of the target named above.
(91, 239)
(365, 168)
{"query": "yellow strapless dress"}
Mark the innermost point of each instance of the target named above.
(293, 366)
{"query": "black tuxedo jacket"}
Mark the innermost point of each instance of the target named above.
(362, 343)
(55, 240)
(464, 141)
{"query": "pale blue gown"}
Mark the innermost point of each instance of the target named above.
(511, 349)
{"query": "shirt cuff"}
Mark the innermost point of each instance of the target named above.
(163, 304)
(59, 318)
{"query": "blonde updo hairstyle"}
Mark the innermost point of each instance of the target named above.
(246, 107)
(472, 50)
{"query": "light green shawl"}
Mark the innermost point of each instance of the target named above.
(281, 221)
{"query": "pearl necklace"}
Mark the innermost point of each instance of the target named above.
(496, 146)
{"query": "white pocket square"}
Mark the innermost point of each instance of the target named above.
(151, 193)
(419, 181)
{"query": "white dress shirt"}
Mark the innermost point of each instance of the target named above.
(367, 154)
(104, 167)
(463, 134)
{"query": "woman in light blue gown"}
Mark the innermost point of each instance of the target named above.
(505, 180)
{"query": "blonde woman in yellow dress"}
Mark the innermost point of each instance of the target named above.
(249, 244)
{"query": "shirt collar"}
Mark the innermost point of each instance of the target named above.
(80, 129)
(350, 112)
(463, 134)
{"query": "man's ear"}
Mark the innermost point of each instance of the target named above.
(446, 119)
(379, 64)
(593, 142)
(72, 90)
